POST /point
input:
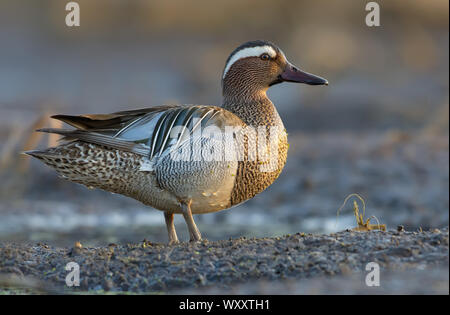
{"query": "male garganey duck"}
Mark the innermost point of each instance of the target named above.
(187, 159)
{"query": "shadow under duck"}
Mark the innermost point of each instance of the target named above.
(153, 155)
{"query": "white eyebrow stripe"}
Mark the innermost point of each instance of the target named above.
(249, 52)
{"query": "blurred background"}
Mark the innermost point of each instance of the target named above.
(379, 129)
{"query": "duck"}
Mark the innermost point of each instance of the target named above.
(187, 159)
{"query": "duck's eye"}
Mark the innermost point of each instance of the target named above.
(265, 57)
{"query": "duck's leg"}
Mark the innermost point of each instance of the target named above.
(187, 214)
(173, 238)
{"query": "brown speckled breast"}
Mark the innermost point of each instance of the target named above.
(250, 180)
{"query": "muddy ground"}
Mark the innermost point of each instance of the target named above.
(403, 178)
(299, 263)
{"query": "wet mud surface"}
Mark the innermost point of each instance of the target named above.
(234, 265)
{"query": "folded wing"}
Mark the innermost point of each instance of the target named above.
(147, 132)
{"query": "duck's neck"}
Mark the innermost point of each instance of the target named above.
(253, 107)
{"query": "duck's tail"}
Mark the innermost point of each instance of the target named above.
(91, 165)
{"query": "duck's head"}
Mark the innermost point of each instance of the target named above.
(256, 65)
